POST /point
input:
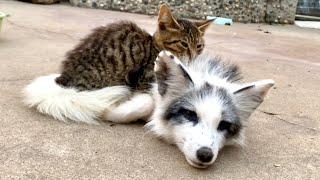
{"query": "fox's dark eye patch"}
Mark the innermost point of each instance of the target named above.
(224, 125)
(177, 113)
(231, 128)
(189, 115)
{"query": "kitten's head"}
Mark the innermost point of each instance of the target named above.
(180, 36)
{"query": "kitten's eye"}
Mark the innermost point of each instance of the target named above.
(188, 114)
(224, 125)
(184, 44)
(199, 46)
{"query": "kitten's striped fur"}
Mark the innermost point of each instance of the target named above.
(111, 55)
(107, 73)
(123, 54)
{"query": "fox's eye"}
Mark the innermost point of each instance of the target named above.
(184, 44)
(188, 114)
(199, 46)
(231, 128)
(224, 125)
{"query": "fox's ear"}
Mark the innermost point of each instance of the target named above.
(166, 21)
(203, 25)
(249, 96)
(171, 75)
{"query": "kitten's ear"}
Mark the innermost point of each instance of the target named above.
(165, 19)
(203, 25)
(172, 77)
(248, 97)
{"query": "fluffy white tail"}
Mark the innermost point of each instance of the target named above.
(67, 103)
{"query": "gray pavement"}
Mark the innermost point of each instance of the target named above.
(282, 138)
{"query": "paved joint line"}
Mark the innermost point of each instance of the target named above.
(278, 116)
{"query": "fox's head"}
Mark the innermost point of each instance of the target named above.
(199, 108)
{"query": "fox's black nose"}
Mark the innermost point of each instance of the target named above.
(204, 154)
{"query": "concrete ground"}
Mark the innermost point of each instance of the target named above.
(283, 136)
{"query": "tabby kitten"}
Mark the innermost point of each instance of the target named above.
(123, 54)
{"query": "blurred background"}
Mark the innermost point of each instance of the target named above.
(254, 11)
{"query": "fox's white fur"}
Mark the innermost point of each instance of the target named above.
(198, 106)
(140, 106)
(207, 89)
(117, 103)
